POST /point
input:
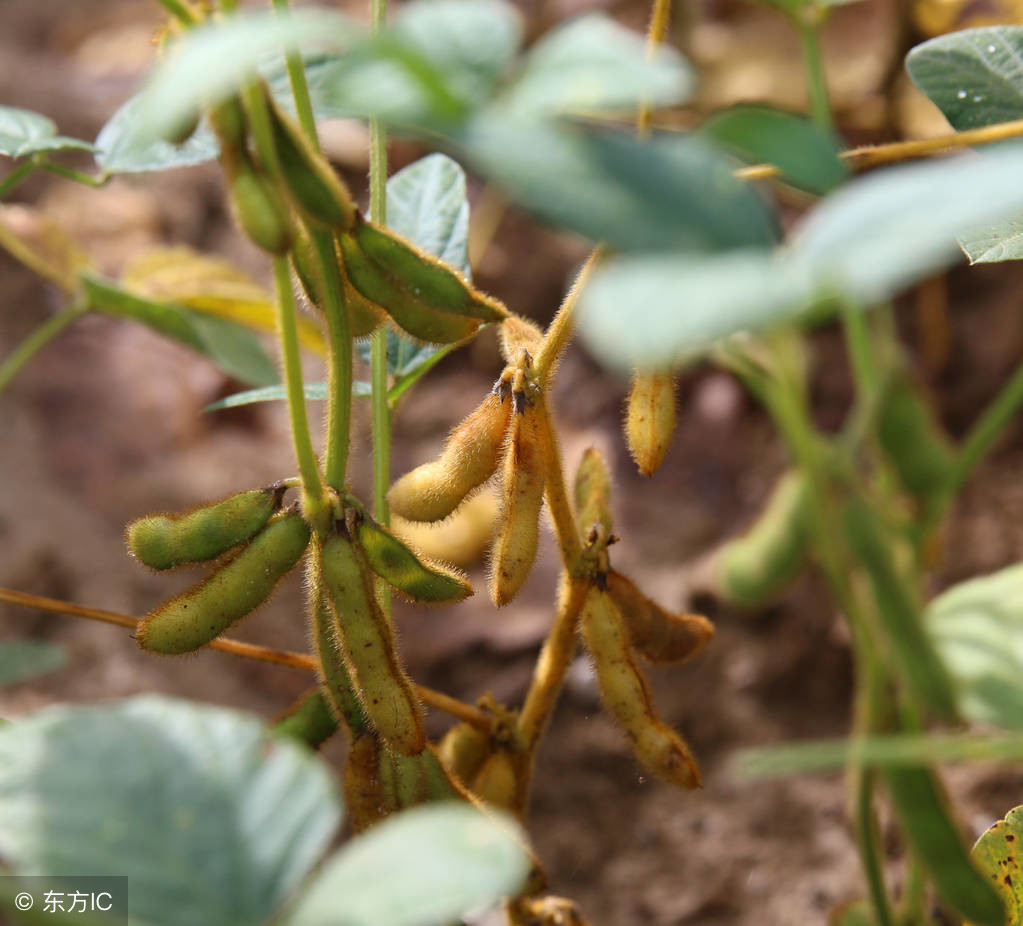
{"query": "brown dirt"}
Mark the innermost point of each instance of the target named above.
(106, 424)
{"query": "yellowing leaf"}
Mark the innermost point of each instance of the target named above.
(213, 286)
(34, 239)
(997, 855)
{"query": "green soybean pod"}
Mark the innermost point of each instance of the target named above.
(930, 831)
(368, 646)
(757, 565)
(317, 192)
(399, 566)
(261, 211)
(337, 683)
(464, 749)
(909, 433)
(381, 286)
(163, 541)
(309, 720)
(901, 617)
(229, 124)
(369, 785)
(433, 282)
(203, 612)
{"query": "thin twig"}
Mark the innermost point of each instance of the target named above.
(436, 699)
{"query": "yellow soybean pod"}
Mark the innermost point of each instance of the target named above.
(593, 492)
(518, 533)
(470, 457)
(626, 695)
(368, 646)
(656, 634)
(162, 541)
(406, 571)
(464, 749)
(517, 334)
(202, 613)
(650, 419)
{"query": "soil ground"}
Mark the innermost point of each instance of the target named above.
(106, 424)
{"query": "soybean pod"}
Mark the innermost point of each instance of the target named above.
(756, 566)
(202, 613)
(471, 454)
(309, 720)
(408, 572)
(368, 646)
(162, 541)
(625, 694)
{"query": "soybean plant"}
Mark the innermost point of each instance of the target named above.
(363, 279)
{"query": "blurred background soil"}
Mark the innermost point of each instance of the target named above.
(107, 424)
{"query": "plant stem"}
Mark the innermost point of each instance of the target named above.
(872, 155)
(820, 108)
(378, 345)
(299, 86)
(69, 174)
(339, 360)
(16, 176)
(987, 430)
(553, 662)
(660, 16)
(560, 329)
(36, 341)
(314, 502)
(436, 699)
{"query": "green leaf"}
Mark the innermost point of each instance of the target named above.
(212, 820)
(121, 149)
(427, 203)
(990, 244)
(675, 192)
(24, 659)
(974, 77)
(592, 63)
(807, 154)
(212, 61)
(234, 348)
(423, 867)
(977, 627)
(879, 752)
(471, 42)
(884, 232)
(23, 132)
(997, 854)
(314, 392)
(655, 311)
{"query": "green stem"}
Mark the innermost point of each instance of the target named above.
(16, 176)
(378, 344)
(987, 430)
(299, 85)
(820, 107)
(339, 360)
(36, 341)
(314, 501)
(61, 171)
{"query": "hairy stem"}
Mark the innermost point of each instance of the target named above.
(660, 16)
(560, 329)
(314, 502)
(553, 663)
(299, 86)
